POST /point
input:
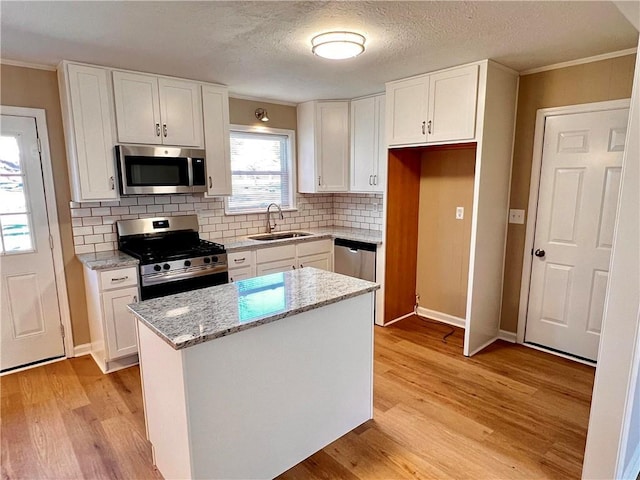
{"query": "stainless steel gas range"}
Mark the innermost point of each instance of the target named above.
(172, 256)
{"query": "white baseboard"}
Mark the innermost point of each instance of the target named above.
(441, 317)
(80, 350)
(633, 467)
(507, 336)
(398, 319)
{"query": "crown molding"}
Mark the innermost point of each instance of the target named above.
(37, 66)
(581, 61)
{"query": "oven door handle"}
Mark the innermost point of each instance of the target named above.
(158, 279)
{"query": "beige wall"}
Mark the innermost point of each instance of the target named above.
(242, 112)
(446, 182)
(592, 82)
(27, 87)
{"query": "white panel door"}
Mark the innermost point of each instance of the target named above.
(137, 108)
(452, 105)
(332, 143)
(30, 316)
(407, 111)
(181, 112)
(579, 184)
(119, 322)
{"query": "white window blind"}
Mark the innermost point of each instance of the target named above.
(261, 171)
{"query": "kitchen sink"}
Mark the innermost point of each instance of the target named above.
(279, 235)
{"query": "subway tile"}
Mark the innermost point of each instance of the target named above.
(91, 221)
(82, 231)
(170, 208)
(93, 239)
(103, 247)
(80, 249)
(98, 212)
(119, 210)
(80, 212)
(158, 200)
(138, 209)
(103, 229)
(146, 200)
(128, 201)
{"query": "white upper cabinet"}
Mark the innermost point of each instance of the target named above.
(436, 108)
(157, 110)
(452, 103)
(323, 147)
(368, 147)
(407, 111)
(215, 104)
(87, 118)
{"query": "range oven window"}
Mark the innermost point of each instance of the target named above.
(152, 171)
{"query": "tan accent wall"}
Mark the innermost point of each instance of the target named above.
(446, 182)
(28, 87)
(242, 112)
(592, 82)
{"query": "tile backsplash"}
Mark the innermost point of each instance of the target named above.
(94, 223)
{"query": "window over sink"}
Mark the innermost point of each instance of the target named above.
(262, 169)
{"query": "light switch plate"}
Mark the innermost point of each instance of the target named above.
(459, 213)
(516, 216)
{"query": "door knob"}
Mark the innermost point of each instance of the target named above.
(539, 253)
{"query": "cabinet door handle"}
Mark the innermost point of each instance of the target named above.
(301, 266)
(370, 179)
(231, 279)
(210, 182)
(119, 279)
(112, 183)
(157, 129)
(423, 123)
(293, 266)
(375, 179)
(164, 129)
(239, 260)
(429, 127)
(319, 182)
(135, 299)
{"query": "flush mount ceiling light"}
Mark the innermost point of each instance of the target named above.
(261, 114)
(338, 45)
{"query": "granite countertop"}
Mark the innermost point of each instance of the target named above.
(107, 260)
(357, 234)
(198, 316)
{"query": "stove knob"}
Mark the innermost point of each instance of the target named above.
(157, 268)
(214, 259)
(166, 266)
(187, 263)
(206, 260)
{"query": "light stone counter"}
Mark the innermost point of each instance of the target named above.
(357, 234)
(197, 316)
(107, 260)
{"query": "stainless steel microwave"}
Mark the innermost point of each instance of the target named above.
(153, 170)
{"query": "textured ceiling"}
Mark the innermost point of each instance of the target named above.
(262, 48)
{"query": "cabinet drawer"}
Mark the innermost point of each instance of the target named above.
(312, 248)
(276, 253)
(122, 277)
(240, 259)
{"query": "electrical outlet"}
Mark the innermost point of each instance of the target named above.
(516, 216)
(459, 213)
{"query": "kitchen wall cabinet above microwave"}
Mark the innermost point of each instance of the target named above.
(323, 146)
(157, 110)
(435, 108)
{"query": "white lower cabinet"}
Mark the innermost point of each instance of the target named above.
(241, 265)
(112, 327)
(264, 261)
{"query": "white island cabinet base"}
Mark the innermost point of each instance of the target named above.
(255, 403)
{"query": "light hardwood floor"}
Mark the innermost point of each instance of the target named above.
(508, 412)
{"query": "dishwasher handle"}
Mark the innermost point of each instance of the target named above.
(354, 246)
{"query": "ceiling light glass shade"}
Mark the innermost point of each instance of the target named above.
(338, 45)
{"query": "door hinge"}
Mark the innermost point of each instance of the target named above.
(39, 145)
(62, 330)
(50, 242)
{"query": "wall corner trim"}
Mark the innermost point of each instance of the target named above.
(507, 336)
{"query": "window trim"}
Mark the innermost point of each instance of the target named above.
(291, 147)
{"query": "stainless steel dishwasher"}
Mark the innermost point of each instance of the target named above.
(356, 259)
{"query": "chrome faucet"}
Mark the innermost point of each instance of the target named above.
(269, 227)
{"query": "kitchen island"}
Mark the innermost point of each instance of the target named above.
(247, 379)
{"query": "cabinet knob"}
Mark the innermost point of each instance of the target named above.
(423, 124)
(319, 181)
(164, 129)
(135, 299)
(157, 129)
